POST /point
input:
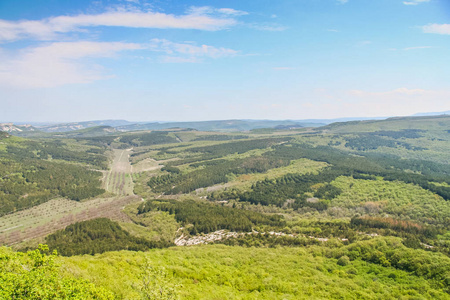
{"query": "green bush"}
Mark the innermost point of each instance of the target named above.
(34, 275)
(343, 260)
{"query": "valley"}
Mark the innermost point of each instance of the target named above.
(348, 210)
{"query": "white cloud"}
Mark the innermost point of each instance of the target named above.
(283, 68)
(178, 59)
(61, 63)
(188, 52)
(57, 64)
(10, 31)
(416, 48)
(415, 2)
(208, 10)
(437, 28)
(267, 27)
(202, 18)
(233, 12)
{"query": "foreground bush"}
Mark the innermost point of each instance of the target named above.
(34, 275)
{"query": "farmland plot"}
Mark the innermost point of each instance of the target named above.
(118, 179)
(44, 219)
(56, 214)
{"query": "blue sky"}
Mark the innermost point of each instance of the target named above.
(63, 60)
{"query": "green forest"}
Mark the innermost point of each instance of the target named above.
(33, 172)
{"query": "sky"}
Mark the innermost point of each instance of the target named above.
(162, 60)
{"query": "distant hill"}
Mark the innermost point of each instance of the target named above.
(17, 129)
(433, 113)
(83, 125)
(441, 122)
(213, 125)
(80, 133)
(108, 126)
(329, 121)
(221, 125)
(86, 132)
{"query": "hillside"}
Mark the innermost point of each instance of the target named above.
(85, 132)
(362, 208)
(33, 172)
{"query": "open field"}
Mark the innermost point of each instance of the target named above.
(118, 179)
(146, 165)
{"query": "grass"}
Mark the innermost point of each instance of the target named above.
(156, 225)
(185, 136)
(147, 164)
(142, 153)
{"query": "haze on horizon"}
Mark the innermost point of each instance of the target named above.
(140, 60)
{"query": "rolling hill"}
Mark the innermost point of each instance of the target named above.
(354, 209)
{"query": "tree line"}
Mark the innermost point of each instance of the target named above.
(214, 172)
(202, 217)
(98, 236)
